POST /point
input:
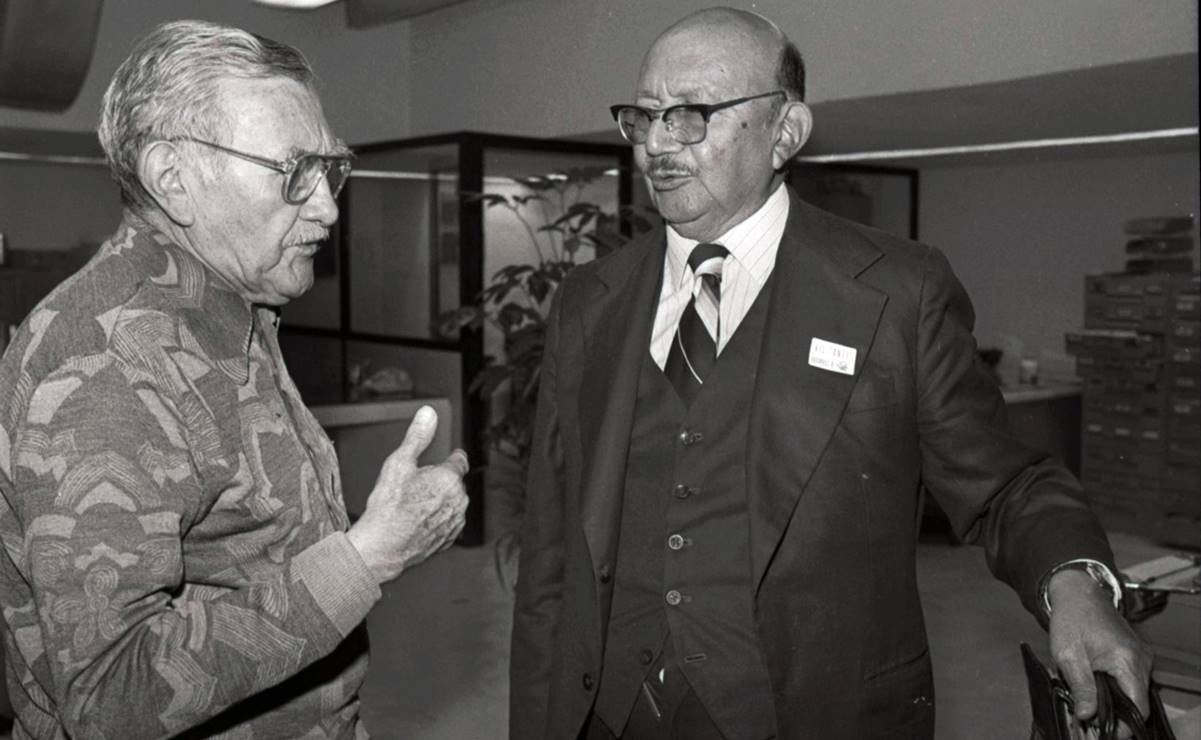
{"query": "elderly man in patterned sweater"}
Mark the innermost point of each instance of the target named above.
(177, 555)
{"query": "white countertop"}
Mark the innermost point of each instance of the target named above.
(1040, 392)
(376, 412)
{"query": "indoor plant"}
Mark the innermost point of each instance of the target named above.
(562, 228)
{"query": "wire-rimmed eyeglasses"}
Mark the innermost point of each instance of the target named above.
(302, 172)
(687, 123)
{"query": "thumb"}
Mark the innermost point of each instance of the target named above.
(419, 435)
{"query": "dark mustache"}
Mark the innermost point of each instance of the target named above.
(666, 167)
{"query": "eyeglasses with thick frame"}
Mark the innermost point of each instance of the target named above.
(687, 123)
(302, 172)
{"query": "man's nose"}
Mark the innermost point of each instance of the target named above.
(659, 139)
(321, 206)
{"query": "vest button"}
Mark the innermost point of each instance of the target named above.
(673, 597)
(688, 438)
(645, 656)
(681, 491)
(676, 542)
(604, 573)
(587, 682)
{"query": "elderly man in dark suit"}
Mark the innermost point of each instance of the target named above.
(737, 414)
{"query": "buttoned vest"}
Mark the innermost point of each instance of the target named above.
(683, 559)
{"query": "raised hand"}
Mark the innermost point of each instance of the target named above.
(413, 512)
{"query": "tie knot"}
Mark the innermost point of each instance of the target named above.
(706, 259)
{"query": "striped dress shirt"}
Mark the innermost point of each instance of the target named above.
(753, 244)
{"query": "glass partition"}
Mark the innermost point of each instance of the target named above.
(883, 197)
(416, 239)
(404, 218)
(539, 188)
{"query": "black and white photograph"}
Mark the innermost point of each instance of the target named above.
(580, 370)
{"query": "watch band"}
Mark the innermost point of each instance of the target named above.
(1095, 568)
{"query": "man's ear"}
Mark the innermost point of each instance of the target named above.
(795, 126)
(160, 170)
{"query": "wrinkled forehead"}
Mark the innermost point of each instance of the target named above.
(699, 62)
(279, 111)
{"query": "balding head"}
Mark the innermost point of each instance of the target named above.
(723, 66)
(746, 38)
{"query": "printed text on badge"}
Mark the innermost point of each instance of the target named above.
(831, 356)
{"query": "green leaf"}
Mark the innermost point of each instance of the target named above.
(510, 272)
(512, 316)
(539, 285)
(522, 200)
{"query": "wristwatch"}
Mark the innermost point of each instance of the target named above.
(1099, 572)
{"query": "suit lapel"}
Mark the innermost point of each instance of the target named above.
(617, 319)
(796, 407)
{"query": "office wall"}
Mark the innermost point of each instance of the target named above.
(1022, 237)
(550, 67)
(54, 206)
(363, 74)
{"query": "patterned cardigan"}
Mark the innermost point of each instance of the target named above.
(175, 558)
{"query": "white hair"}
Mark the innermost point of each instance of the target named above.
(168, 88)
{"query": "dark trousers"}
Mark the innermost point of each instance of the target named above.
(664, 711)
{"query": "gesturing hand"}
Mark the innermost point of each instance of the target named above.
(412, 512)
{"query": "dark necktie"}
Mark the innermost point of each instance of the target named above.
(693, 349)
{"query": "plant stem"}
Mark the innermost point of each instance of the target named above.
(546, 219)
(529, 230)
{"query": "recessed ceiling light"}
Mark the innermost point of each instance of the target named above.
(294, 4)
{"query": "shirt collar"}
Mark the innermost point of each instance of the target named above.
(764, 226)
(218, 318)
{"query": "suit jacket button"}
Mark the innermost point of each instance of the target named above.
(681, 491)
(604, 573)
(587, 682)
(645, 656)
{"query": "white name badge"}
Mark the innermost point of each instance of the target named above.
(831, 356)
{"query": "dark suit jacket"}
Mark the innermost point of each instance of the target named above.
(835, 464)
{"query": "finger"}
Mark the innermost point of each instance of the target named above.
(419, 434)
(462, 503)
(1124, 732)
(457, 463)
(1134, 687)
(449, 542)
(1077, 671)
(449, 529)
(460, 523)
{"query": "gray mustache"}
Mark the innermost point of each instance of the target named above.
(309, 239)
(666, 169)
